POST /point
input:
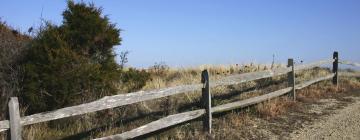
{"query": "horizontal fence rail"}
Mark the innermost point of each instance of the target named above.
(140, 96)
(246, 77)
(250, 101)
(4, 125)
(350, 63)
(346, 74)
(308, 83)
(191, 115)
(157, 125)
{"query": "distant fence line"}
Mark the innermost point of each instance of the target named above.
(16, 122)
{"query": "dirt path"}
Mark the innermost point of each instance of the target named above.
(342, 124)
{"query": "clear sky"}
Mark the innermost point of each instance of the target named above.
(195, 32)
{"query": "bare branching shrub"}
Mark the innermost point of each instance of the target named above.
(123, 58)
(12, 46)
(159, 69)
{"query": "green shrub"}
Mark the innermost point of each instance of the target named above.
(134, 79)
(73, 62)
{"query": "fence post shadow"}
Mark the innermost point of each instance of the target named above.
(335, 69)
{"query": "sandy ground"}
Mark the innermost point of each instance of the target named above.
(327, 119)
(341, 124)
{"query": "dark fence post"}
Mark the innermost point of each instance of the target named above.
(14, 113)
(206, 99)
(291, 78)
(335, 68)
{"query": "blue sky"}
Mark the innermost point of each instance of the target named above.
(194, 32)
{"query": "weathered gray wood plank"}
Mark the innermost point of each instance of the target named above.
(157, 125)
(308, 83)
(349, 74)
(14, 113)
(251, 101)
(246, 77)
(106, 103)
(4, 125)
(350, 63)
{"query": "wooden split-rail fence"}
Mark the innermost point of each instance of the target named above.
(16, 121)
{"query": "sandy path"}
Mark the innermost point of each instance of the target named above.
(343, 124)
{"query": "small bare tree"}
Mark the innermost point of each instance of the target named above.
(273, 62)
(123, 58)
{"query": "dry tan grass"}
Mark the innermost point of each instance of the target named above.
(274, 108)
(326, 89)
(191, 75)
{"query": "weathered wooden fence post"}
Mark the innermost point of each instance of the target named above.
(291, 78)
(335, 68)
(206, 99)
(15, 124)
